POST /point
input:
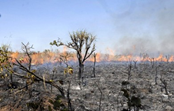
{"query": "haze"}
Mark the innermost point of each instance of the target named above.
(123, 26)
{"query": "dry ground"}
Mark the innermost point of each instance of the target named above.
(109, 77)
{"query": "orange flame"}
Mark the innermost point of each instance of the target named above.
(111, 54)
(98, 58)
(44, 57)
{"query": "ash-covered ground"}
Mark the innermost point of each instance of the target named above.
(147, 81)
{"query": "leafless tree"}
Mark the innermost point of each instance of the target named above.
(34, 76)
(64, 58)
(129, 69)
(94, 64)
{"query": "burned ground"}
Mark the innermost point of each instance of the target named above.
(103, 90)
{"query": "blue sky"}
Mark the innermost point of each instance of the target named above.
(125, 26)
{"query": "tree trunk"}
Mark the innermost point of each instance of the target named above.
(94, 64)
(11, 77)
(94, 71)
(81, 69)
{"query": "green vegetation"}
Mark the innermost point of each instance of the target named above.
(29, 89)
(6, 66)
(81, 42)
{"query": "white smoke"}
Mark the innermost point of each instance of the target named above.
(145, 27)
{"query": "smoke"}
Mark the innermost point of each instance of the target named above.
(128, 7)
(132, 45)
(165, 28)
(143, 26)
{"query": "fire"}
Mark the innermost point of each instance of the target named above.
(171, 59)
(37, 58)
(14, 55)
(53, 57)
(98, 58)
(111, 54)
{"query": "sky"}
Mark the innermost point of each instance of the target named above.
(123, 26)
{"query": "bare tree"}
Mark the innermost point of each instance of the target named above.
(68, 97)
(94, 64)
(81, 42)
(129, 69)
(33, 75)
(64, 58)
